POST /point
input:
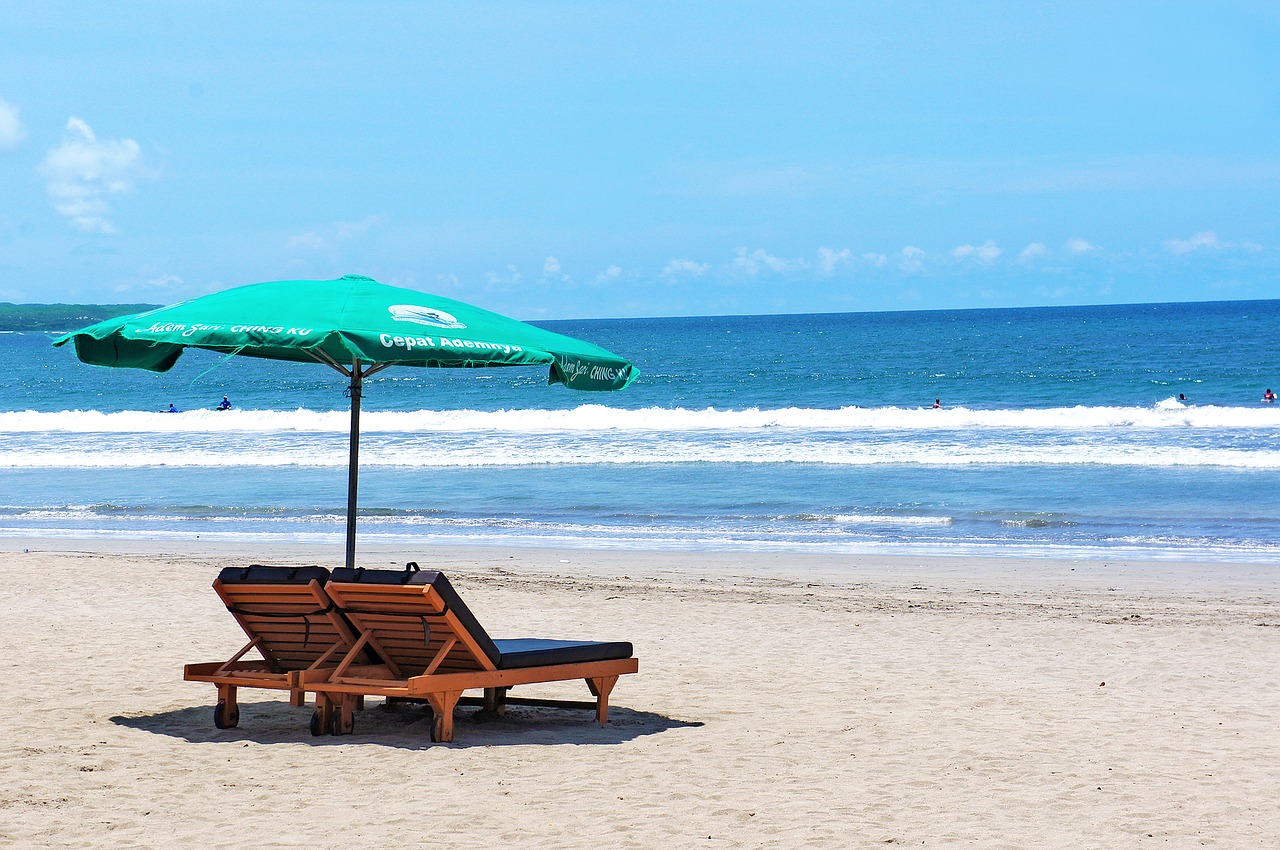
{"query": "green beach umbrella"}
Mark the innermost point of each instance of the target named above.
(354, 325)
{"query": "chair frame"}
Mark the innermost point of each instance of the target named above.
(457, 663)
(272, 623)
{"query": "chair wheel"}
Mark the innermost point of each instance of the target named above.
(225, 718)
(317, 724)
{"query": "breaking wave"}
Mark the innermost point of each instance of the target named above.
(596, 418)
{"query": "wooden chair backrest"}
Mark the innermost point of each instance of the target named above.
(411, 626)
(294, 624)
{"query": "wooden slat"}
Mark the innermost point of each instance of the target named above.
(274, 626)
(395, 619)
(351, 589)
(260, 598)
(275, 683)
(411, 609)
(285, 657)
(389, 688)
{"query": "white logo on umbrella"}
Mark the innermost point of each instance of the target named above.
(423, 316)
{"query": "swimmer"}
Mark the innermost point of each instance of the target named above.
(937, 402)
(1268, 396)
(172, 409)
(225, 404)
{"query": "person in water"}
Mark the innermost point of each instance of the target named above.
(172, 409)
(1268, 396)
(937, 402)
(225, 404)
(1182, 398)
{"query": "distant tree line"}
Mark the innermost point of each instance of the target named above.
(61, 317)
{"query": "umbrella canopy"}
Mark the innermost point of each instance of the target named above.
(353, 324)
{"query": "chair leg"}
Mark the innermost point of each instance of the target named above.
(226, 714)
(495, 702)
(442, 705)
(344, 718)
(600, 687)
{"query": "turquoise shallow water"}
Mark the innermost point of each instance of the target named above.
(1060, 433)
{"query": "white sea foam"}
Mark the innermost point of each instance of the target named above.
(881, 519)
(604, 452)
(597, 418)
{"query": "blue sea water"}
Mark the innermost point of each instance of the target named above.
(1060, 434)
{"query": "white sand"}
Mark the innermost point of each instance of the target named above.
(782, 701)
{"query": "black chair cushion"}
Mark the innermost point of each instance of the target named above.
(536, 652)
(258, 574)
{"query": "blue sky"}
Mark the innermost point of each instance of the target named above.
(563, 160)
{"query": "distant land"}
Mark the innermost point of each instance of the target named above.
(61, 317)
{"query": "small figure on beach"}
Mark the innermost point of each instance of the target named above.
(1268, 396)
(225, 404)
(937, 402)
(172, 409)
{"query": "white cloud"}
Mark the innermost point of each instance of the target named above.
(511, 278)
(84, 170)
(877, 260)
(1208, 239)
(830, 259)
(11, 130)
(1035, 249)
(1076, 245)
(986, 253)
(551, 270)
(689, 267)
(333, 234)
(610, 274)
(310, 239)
(164, 281)
(759, 261)
(351, 229)
(912, 259)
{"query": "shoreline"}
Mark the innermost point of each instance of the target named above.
(825, 702)
(1011, 571)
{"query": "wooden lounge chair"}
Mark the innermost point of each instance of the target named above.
(432, 648)
(290, 621)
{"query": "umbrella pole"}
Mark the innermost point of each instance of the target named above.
(353, 462)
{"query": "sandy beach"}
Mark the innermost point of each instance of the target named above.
(782, 701)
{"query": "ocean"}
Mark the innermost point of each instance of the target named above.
(1060, 434)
